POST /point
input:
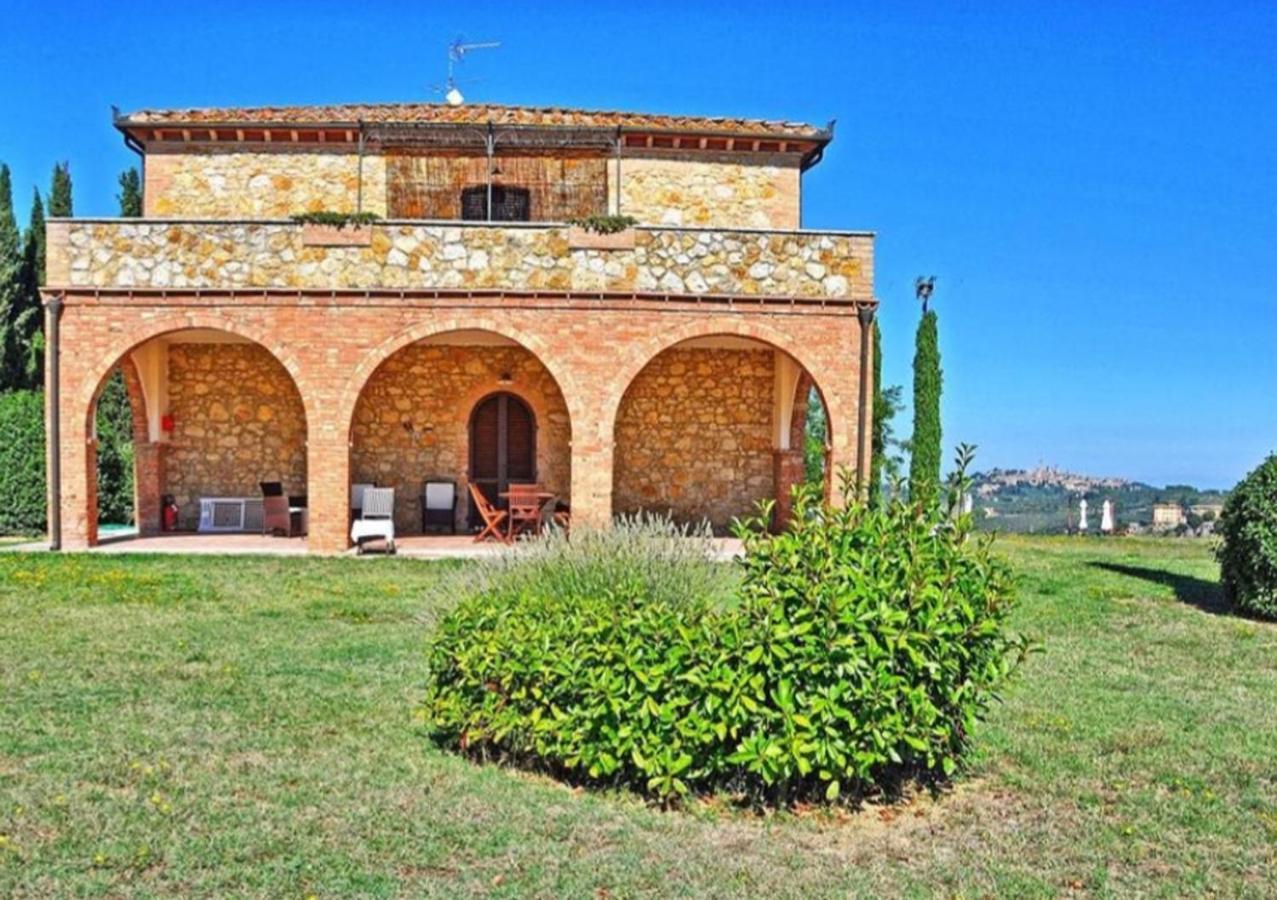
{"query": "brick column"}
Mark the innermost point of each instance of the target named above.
(148, 486)
(591, 484)
(592, 455)
(328, 487)
(788, 469)
(79, 473)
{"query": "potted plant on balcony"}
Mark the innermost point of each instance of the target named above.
(325, 228)
(602, 233)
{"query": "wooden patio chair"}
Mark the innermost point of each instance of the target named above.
(376, 520)
(493, 518)
(524, 503)
(278, 513)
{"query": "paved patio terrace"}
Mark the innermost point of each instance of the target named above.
(448, 546)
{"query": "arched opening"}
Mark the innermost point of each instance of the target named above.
(712, 426)
(460, 407)
(212, 417)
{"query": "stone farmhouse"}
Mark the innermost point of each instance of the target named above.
(469, 333)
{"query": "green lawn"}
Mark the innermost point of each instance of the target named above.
(179, 726)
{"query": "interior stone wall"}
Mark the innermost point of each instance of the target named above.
(241, 184)
(693, 436)
(411, 423)
(238, 420)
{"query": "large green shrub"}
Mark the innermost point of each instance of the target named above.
(22, 484)
(1248, 552)
(860, 648)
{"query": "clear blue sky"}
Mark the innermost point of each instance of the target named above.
(1094, 185)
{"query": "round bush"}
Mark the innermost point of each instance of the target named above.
(1248, 553)
(859, 649)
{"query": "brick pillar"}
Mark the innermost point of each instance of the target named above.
(79, 474)
(788, 470)
(328, 487)
(591, 483)
(148, 486)
(592, 455)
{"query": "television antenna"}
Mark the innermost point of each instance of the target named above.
(457, 51)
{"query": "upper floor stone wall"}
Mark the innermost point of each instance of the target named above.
(260, 184)
(720, 190)
(725, 191)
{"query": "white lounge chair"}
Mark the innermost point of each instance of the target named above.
(376, 520)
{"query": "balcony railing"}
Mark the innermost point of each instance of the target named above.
(175, 255)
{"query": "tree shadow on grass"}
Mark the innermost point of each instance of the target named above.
(1207, 596)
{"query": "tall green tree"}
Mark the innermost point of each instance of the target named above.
(924, 460)
(28, 334)
(60, 191)
(10, 282)
(130, 195)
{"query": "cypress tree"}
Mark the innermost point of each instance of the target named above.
(130, 195)
(924, 462)
(60, 191)
(10, 282)
(28, 332)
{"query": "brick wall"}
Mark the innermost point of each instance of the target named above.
(331, 346)
(412, 419)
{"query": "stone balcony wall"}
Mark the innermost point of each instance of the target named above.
(177, 255)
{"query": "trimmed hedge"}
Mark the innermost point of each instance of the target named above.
(859, 650)
(22, 481)
(1248, 554)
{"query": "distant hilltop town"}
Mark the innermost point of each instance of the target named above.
(995, 480)
(1045, 500)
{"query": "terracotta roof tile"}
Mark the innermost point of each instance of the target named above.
(468, 114)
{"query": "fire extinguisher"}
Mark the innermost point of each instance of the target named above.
(169, 513)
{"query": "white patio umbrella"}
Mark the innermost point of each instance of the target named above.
(1106, 517)
(1081, 518)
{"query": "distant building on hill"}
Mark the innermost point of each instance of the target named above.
(1168, 515)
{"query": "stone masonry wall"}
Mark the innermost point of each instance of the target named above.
(693, 436)
(239, 255)
(433, 388)
(727, 191)
(274, 184)
(237, 421)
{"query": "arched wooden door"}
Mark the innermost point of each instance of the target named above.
(503, 446)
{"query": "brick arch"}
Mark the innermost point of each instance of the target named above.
(156, 328)
(374, 358)
(644, 352)
(82, 406)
